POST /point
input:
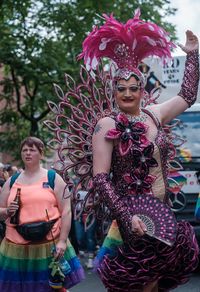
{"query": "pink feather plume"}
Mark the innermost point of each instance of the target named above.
(126, 44)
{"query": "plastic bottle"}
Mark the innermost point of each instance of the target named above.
(63, 263)
(65, 267)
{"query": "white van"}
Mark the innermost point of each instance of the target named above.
(189, 152)
(189, 156)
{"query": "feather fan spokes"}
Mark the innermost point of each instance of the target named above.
(73, 121)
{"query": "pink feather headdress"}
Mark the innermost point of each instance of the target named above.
(125, 44)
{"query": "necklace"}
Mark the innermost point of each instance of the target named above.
(142, 117)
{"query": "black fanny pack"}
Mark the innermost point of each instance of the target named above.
(35, 231)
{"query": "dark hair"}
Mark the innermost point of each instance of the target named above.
(2, 181)
(30, 141)
(7, 167)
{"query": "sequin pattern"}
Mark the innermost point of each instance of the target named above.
(131, 162)
(132, 157)
(129, 266)
(115, 203)
(189, 87)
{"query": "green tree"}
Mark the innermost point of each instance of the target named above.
(39, 43)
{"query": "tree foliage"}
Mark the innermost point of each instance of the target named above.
(39, 43)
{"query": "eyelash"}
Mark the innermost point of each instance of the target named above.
(132, 89)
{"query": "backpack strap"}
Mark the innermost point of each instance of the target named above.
(51, 178)
(13, 178)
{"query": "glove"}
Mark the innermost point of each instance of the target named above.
(104, 187)
(189, 87)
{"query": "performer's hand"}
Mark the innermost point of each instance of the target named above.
(192, 42)
(138, 227)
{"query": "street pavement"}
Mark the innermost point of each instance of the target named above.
(92, 283)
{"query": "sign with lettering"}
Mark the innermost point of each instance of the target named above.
(172, 74)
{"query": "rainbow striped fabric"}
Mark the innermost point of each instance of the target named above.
(112, 241)
(25, 268)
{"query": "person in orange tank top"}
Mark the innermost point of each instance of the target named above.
(29, 249)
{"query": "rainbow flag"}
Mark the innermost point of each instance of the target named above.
(197, 209)
(176, 181)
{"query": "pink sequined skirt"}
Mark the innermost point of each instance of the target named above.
(129, 267)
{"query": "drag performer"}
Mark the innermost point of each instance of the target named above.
(127, 148)
(130, 152)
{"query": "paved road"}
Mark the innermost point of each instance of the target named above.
(93, 284)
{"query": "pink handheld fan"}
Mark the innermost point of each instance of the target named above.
(157, 216)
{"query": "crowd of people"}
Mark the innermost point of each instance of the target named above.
(130, 151)
(7, 170)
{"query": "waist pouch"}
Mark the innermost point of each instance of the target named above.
(35, 231)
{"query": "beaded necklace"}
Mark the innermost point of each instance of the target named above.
(142, 117)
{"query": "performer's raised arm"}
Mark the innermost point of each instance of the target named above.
(189, 87)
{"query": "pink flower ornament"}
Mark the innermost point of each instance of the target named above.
(128, 133)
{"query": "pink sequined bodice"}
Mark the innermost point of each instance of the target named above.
(138, 165)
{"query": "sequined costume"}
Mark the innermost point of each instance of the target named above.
(125, 265)
(140, 156)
